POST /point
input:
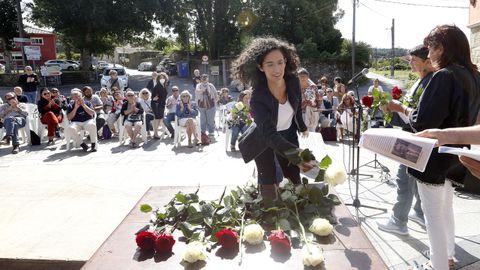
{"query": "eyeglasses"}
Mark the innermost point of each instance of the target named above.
(329, 91)
(130, 95)
(46, 93)
(175, 90)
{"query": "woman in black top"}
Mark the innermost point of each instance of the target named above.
(270, 65)
(451, 99)
(159, 97)
(50, 112)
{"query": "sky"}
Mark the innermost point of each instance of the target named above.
(412, 23)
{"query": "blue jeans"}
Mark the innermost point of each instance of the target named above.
(406, 189)
(12, 124)
(168, 122)
(236, 130)
(207, 119)
(31, 96)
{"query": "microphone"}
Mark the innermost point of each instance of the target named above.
(358, 75)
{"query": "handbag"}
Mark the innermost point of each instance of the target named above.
(251, 143)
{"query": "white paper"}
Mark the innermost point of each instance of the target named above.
(400, 146)
(474, 154)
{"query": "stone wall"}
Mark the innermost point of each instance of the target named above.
(475, 44)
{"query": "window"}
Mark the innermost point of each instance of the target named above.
(37, 41)
(16, 56)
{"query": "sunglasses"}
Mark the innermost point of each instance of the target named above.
(144, 93)
(46, 93)
(9, 98)
(329, 91)
(175, 90)
(130, 95)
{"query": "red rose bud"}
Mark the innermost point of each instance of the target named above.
(279, 242)
(396, 93)
(164, 243)
(146, 240)
(227, 238)
(367, 101)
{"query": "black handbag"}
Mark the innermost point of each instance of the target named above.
(251, 143)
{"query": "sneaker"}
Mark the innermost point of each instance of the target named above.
(50, 142)
(94, 147)
(417, 219)
(392, 228)
(232, 148)
(15, 149)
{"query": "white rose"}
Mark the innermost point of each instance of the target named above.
(335, 175)
(239, 106)
(312, 255)
(253, 234)
(321, 227)
(195, 251)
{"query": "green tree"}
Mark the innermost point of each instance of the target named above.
(362, 53)
(8, 29)
(97, 26)
(307, 22)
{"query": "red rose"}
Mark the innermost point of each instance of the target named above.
(164, 243)
(396, 93)
(279, 242)
(367, 101)
(146, 240)
(227, 238)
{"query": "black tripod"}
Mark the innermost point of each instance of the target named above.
(356, 128)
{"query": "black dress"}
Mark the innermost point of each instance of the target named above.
(158, 106)
(265, 113)
(451, 99)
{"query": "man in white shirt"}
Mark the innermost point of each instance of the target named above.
(171, 105)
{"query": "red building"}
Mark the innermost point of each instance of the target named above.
(46, 40)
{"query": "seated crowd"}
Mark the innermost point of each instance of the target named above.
(102, 114)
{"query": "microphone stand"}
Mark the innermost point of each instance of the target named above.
(356, 129)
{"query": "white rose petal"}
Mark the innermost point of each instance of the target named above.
(195, 251)
(321, 227)
(335, 175)
(239, 106)
(312, 255)
(253, 234)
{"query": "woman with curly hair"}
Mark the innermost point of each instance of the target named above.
(270, 65)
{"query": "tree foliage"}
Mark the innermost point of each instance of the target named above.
(362, 52)
(96, 26)
(8, 28)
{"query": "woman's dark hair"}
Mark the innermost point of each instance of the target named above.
(455, 46)
(420, 51)
(245, 68)
(337, 79)
(41, 92)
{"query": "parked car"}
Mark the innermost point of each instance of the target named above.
(63, 64)
(167, 66)
(145, 66)
(122, 76)
(101, 65)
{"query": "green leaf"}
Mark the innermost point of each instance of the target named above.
(207, 210)
(180, 197)
(284, 224)
(326, 161)
(224, 210)
(334, 198)
(315, 195)
(195, 218)
(145, 208)
(325, 190)
(321, 176)
(293, 156)
(307, 155)
(376, 94)
(304, 181)
(186, 228)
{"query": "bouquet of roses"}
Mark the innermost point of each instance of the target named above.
(240, 114)
(379, 100)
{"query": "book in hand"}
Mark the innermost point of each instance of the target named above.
(399, 145)
(473, 154)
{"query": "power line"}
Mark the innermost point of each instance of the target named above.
(374, 11)
(420, 5)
